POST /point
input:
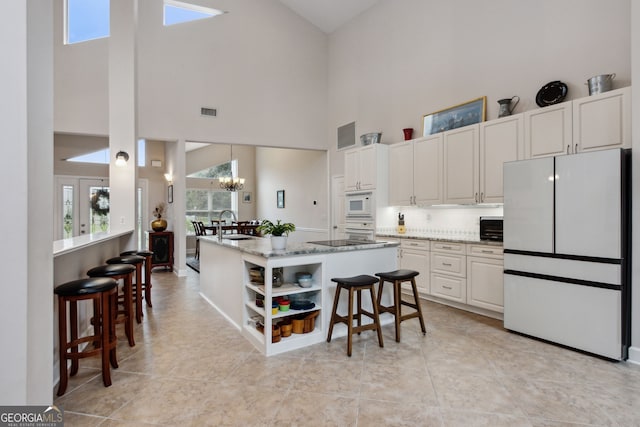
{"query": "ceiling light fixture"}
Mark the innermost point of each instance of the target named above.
(230, 183)
(122, 157)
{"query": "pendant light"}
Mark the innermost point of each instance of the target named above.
(230, 183)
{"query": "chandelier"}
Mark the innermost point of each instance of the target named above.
(231, 184)
(228, 182)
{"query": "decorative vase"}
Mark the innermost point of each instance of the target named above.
(159, 224)
(408, 133)
(278, 243)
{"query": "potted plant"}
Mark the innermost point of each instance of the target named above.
(159, 224)
(279, 232)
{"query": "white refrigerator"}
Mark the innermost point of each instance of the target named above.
(567, 250)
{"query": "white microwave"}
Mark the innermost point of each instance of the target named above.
(359, 205)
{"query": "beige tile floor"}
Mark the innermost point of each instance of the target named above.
(190, 367)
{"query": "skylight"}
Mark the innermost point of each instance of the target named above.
(177, 12)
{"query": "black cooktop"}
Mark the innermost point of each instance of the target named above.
(343, 242)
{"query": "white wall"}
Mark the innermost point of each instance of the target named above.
(303, 176)
(634, 353)
(26, 120)
(403, 59)
(262, 66)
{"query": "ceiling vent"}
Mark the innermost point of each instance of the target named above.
(208, 112)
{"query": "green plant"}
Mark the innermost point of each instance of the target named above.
(277, 229)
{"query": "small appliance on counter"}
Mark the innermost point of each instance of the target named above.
(491, 228)
(401, 228)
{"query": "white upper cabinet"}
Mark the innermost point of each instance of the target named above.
(602, 121)
(461, 175)
(415, 172)
(592, 123)
(548, 131)
(366, 168)
(401, 174)
(501, 141)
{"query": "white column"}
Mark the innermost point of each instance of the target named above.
(122, 112)
(26, 169)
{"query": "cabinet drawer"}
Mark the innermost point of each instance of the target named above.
(449, 264)
(448, 287)
(415, 244)
(485, 251)
(452, 248)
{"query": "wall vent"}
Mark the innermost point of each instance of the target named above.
(208, 112)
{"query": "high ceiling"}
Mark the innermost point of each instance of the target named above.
(329, 15)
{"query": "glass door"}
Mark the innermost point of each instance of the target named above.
(94, 206)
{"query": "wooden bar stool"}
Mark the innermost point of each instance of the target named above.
(147, 255)
(103, 293)
(397, 277)
(117, 272)
(137, 262)
(355, 284)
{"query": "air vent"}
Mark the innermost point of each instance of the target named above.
(208, 111)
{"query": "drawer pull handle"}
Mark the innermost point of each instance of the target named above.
(413, 244)
(446, 247)
(447, 287)
(446, 264)
(487, 252)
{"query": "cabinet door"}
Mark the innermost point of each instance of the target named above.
(401, 173)
(461, 165)
(485, 286)
(419, 261)
(602, 121)
(427, 170)
(500, 141)
(548, 131)
(351, 169)
(368, 167)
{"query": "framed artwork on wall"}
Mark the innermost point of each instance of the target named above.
(170, 194)
(280, 199)
(467, 113)
(246, 197)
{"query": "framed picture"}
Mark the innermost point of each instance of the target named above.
(246, 197)
(464, 114)
(280, 199)
(170, 194)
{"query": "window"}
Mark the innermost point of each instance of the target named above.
(176, 12)
(206, 204)
(86, 20)
(102, 157)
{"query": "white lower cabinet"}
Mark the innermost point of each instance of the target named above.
(414, 255)
(485, 286)
(449, 271)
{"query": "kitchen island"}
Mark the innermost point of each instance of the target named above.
(228, 271)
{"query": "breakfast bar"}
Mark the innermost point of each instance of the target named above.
(257, 289)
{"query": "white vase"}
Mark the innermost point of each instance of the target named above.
(278, 243)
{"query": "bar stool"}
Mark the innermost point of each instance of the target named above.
(137, 262)
(117, 272)
(148, 261)
(355, 284)
(397, 277)
(103, 293)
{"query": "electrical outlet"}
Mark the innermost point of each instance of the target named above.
(428, 217)
(122, 220)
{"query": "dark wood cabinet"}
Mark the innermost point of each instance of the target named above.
(161, 244)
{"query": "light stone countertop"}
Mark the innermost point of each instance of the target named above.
(261, 246)
(440, 238)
